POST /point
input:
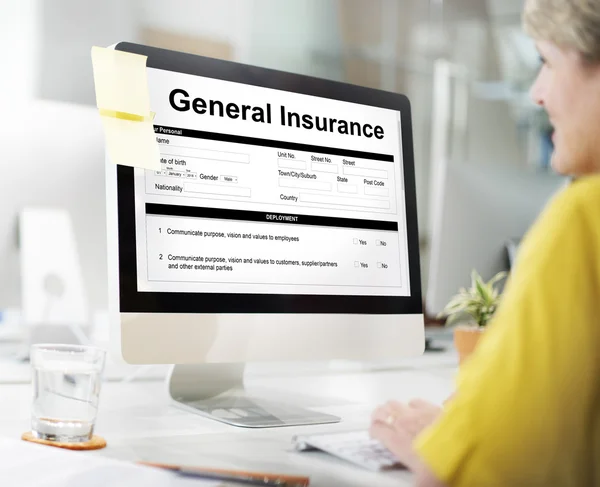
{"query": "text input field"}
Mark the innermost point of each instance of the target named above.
(291, 164)
(367, 173)
(217, 189)
(211, 155)
(376, 191)
(344, 201)
(304, 184)
(347, 188)
(320, 167)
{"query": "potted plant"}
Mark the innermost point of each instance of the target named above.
(476, 306)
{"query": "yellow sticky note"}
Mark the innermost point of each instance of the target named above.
(131, 143)
(124, 103)
(121, 81)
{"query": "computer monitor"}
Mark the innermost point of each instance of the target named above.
(282, 226)
(480, 213)
(53, 158)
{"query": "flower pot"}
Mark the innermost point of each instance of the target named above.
(465, 340)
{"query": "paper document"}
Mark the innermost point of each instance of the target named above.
(131, 143)
(121, 81)
(29, 465)
(121, 86)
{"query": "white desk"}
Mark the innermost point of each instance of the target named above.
(139, 424)
(14, 371)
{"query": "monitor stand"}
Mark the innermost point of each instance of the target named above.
(217, 391)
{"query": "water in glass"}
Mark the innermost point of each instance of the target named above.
(65, 399)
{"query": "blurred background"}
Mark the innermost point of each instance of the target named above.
(465, 65)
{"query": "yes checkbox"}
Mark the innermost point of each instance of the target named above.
(355, 263)
(355, 241)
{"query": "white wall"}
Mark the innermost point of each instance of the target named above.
(18, 43)
(47, 43)
(68, 29)
(286, 35)
(270, 33)
(491, 131)
(223, 20)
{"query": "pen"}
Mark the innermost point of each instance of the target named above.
(243, 477)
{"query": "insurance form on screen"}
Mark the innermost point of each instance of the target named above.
(272, 192)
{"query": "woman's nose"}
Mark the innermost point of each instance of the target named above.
(536, 92)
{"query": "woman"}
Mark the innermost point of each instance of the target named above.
(526, 411)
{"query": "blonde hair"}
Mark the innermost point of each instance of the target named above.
(571, 24)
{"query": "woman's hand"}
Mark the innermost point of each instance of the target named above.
(396, 425)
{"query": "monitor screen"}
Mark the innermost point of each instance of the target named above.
(266, 200)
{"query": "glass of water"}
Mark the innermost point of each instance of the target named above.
(66, 391)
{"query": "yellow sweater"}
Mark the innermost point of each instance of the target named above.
(527, 405)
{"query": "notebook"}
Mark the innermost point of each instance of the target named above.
(29, 465)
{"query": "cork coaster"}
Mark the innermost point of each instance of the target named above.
(96, 443)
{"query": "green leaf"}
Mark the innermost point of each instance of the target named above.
(452, 319)
(496, 278)
(483, 291)
(455, 318)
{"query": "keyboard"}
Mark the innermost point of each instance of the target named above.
(356, 447)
